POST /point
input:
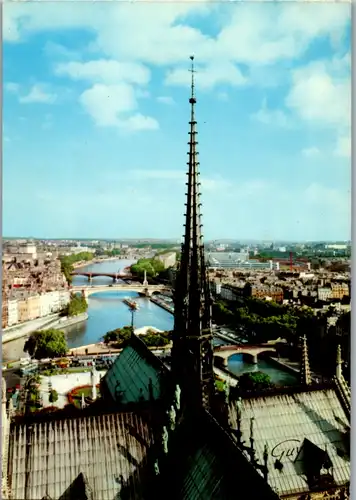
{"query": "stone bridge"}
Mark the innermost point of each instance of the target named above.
(146, 290)
(115, 276)
(226, 351)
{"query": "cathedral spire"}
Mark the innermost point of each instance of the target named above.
(305, 376)
(192, 353)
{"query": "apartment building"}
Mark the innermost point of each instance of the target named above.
(24, 306)
(64, 298)
(324, 293)
(23, 310)
(265, 292)
(13, 312)
(228, 292)
(339, 290)
(168, 259)
(46, 304)
(54, 301)
(34, 307)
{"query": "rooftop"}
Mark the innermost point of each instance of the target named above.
(46, 458)
(284, 422)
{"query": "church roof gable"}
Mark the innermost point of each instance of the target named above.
(137, 374)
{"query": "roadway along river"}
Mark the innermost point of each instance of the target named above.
(107, 311)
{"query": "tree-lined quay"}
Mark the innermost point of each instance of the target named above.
(260, 321)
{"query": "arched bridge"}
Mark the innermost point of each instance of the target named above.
(114, 276)
(146, 290)
(226, 351)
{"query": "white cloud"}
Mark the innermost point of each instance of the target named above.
(38, 94)
(343, 146)
(166, 100)
(311, 152)
(106, 71)
(109, 106)
(12, 87)
(52, 49)
(275, 117)
(207, 77)
(138, 122)
(258, 33)
(105, 102)
(318, 96)
(321, 96)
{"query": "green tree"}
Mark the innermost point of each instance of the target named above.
(156, 339)
(254, 381)
(67, 262)
(46, 344)
(53, 396)
(152, 267)
(77, 305)
(120, 335)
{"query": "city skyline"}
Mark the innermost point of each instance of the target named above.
(96, 119)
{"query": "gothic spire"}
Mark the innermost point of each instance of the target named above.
(341, 383)
(192, 353)
(305, 376)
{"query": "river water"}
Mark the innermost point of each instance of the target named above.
(238, 366)
(107, 311)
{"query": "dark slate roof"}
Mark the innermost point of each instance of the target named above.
(95, 457)
(137, 375)
(204, 463)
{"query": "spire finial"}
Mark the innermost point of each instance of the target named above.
(305, 376)
(192, 100)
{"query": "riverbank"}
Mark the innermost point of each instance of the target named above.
(293, 367)
(162, 304)
(52, 321)
(24, 329)
(101, 349)
(66, 321)
(85, 263)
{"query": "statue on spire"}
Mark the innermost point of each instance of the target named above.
(93, 381)
(338, 363)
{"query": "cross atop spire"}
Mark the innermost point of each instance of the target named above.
(192, 353)
(305, 376)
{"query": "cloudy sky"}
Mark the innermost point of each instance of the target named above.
(96, 111)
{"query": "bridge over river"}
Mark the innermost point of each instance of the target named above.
(146, 290)
(115, 276)
(226, 351)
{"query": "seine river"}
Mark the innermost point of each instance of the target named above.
(107, 311)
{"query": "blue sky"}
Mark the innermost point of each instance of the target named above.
(96, 111)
